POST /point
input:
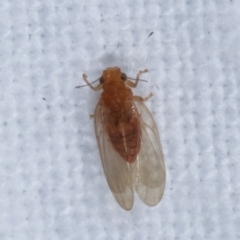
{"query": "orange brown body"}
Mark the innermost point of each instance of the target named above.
(122, 119)
(128, 140)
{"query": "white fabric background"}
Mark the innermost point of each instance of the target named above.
(52, 185)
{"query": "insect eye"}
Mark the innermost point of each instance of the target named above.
(101, 80)
(123, 76)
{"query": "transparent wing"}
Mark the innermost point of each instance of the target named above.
(148, 170)
(115, 167)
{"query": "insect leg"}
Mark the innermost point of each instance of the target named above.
(98, 87)
(141, 99)
(133, 85)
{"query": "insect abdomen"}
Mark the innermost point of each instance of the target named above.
(125, 138)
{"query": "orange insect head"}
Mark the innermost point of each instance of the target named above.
(112, 74)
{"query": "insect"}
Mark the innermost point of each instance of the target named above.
(128, 140)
